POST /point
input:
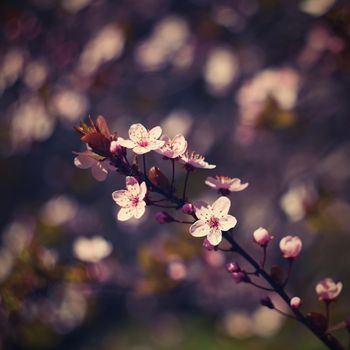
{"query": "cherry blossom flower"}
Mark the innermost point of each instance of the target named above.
(212, 219)
(328, 290)
(262, 236)
(295, 302)
(195, 160)
(290, 247)
(225, 184)
(173, 148)
(91, 249)
(99, 165)
(142, 140)
(131, 200)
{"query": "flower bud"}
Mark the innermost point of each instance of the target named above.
(240, 276)
(295, 302)
(266, 301)
(232, 266)
(187, 208)
(290, 247)
(163, 217)
(328, 290)
(262, 236)
(207, 245)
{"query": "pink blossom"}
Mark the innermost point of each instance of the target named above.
(212, 219)
(99, 165)
(290, 246)
(328, 290)
(142, 140)
(131, 200)
(195, 160)
(225, 183)
(295, 302)
(173, 148)
(262, 236)
(115, 147)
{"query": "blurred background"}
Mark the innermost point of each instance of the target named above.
(261, 87)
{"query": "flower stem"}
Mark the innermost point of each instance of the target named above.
(185, 185)
(172, 175)
(325, 338)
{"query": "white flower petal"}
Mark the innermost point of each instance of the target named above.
(236, 185)
(215, 236)
(126, 143)
(143, 190)
(137, 132)
(141, 150)
(155, 132)
(202, 210)
(199, 229)
(121, 197)
(221, 207)
(139, 210)
(125, 213)
(132, 185)
(227, 222)
(211, 182)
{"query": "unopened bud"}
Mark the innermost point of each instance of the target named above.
(163, 217)
(232, 267)
(267, 302)
(187, 208)
(262, 236)
(115, 148)
(240, 276)
(295, 302)
(207, 245)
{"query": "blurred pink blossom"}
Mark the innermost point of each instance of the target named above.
(328, 290)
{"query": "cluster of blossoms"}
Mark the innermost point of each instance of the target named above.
(151, 187)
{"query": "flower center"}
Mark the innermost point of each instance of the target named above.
(135, 201)
(213, 222)
(143, 143)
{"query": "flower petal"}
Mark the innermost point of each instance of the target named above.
(137, 132)
(202, 210)
(221, 207)
(211, 182)
(236, 185)
(141, 150)
(227, 222)
(121, 197)
(132, 185)
(143, 190)
(126, 143)
(215, 236)
(99, 172)
(125, 213)
(199, 229)
(83, 162)
(155, 132)
(140, 209)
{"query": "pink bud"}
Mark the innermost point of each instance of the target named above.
(262, 236)
(328, 290)
(240, 276)
(295, 302)
(115, 147)
(207, 245)
(163, 217)
(187, 208)
(233, 267)
(290, 247)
